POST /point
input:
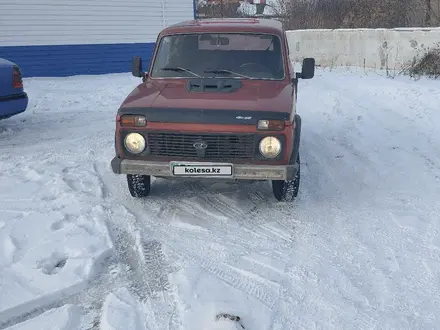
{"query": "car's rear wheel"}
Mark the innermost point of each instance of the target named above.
(287, 190)
(139, 185)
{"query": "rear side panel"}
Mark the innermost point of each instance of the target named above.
(6, 70)
(13, 100)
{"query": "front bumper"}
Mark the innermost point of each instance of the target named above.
(240, 171)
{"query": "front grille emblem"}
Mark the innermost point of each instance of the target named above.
(200, 147)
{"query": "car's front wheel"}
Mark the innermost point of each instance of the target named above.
(287, 190)
(139, 185)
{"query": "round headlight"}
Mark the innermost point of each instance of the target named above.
(135, 143)
(270, 147)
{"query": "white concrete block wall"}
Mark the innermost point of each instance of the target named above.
(369, 48)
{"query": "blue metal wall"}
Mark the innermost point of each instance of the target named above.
(68, 60)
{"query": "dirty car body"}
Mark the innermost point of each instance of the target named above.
(218, 101)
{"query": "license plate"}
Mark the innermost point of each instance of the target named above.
(179, 169)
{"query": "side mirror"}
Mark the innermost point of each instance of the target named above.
(308, 68)
(136, 66)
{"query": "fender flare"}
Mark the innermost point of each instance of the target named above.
(297, 138)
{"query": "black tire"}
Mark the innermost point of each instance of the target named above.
(287, 190)
(139, 185)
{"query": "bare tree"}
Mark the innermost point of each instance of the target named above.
(432, 13)
(218, 8)
(332, 14)
(428, 12)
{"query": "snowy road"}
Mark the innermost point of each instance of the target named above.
(359, 249)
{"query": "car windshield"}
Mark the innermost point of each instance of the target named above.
(231, 55)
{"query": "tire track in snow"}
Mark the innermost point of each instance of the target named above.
(239, 225)
(148, 268)
(213, 263)
(264, 208)
(128, 253)
(243, 235)
(253, 220)
(246, 284)
(214, 201)
(143, 255)
(199, 191)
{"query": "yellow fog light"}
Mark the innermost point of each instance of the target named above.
(270, 147)
(135, 143)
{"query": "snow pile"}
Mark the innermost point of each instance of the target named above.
(45, 254)
(122, 311)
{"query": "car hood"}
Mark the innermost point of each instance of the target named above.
(253, 96)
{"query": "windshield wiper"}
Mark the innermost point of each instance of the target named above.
(179, 69)
(226, 71)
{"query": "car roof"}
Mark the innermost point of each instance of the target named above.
(6, 63)
(216, 25)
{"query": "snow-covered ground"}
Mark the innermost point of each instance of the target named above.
(359, 249)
